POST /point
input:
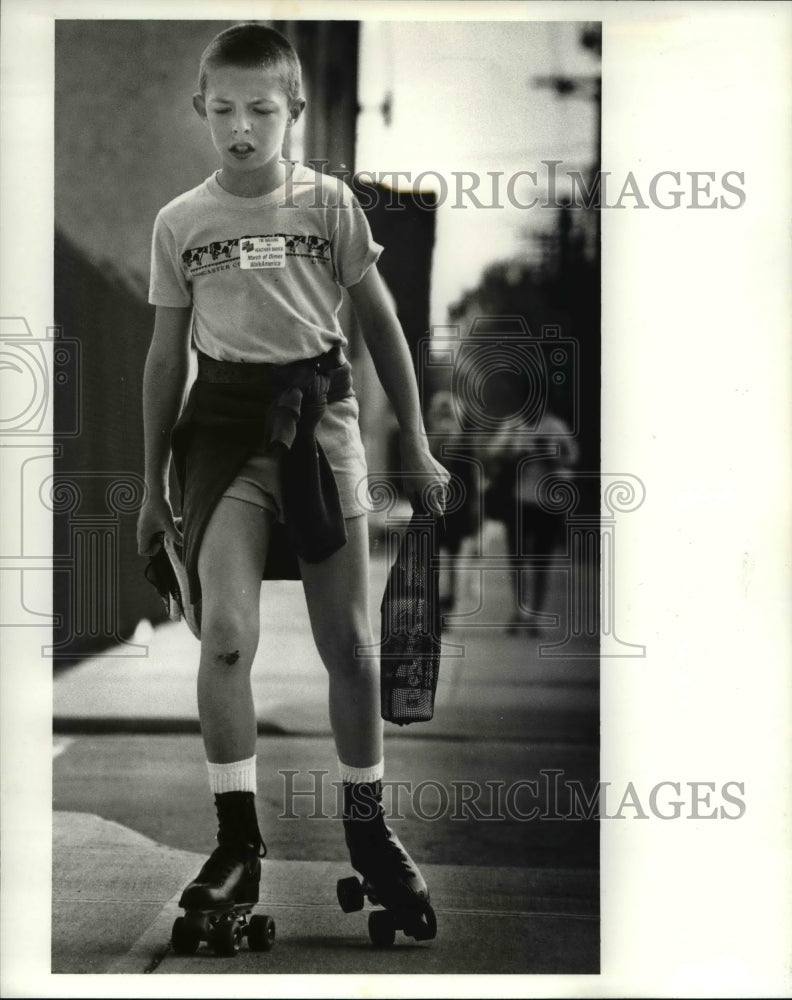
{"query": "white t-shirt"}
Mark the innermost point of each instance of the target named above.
(263, 275)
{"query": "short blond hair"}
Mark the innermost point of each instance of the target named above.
(254, 45)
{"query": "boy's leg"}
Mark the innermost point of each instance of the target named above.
(336, 592)
(230, 565)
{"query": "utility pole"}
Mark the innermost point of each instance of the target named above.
(586, 87)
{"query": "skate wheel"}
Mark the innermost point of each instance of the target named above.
(184, 937)
(382, 929)
(261, 933)
(350, 894)
(226, 938)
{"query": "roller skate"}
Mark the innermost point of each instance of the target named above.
(218, 903)
(390, 878)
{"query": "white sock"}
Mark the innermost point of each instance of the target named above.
(238, 776)
(356, 775)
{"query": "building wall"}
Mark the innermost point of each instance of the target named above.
(99, 590)
(127, 139)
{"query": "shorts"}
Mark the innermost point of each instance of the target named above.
(338, 432)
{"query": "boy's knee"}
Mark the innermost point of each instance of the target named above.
(341, 650)
(229, 629)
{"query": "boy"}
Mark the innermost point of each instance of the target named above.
(251, 265)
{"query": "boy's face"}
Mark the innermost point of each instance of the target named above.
(248, 113)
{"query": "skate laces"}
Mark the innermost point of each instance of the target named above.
(238, 826)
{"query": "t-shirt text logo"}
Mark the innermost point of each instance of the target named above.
(257, 252)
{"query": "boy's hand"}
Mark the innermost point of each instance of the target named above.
(428, 479)
(155, 519)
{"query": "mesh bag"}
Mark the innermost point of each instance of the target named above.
(410, 646)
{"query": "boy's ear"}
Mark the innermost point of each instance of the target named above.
(296, 110)
(200, 105)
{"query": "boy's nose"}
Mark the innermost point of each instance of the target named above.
(242, 125)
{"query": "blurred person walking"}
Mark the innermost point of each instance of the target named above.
(518, 460)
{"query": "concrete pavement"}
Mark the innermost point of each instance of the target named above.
(490, 920)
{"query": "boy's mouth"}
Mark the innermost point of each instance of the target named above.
(241, 149)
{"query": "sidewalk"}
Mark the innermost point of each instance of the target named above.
(115, 891)
(490, 920)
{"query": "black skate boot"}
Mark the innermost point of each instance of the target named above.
(390, 876)
(219, 899)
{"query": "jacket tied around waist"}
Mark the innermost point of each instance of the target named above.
(234, 409)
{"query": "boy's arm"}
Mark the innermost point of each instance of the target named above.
(391, 356)
(164, 382)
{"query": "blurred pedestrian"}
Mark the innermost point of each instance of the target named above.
(517, 459)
